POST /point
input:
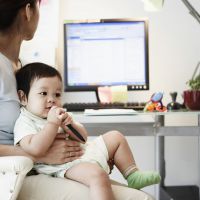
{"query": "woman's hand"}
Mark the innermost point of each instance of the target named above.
(62, 151)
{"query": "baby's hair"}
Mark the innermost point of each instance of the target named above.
(27, 74)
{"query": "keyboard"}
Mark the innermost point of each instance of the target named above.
(73, 107)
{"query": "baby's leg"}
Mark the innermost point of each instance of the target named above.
(119, 150)
(94, 177)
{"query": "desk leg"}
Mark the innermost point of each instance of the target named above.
(161, 192)
(160, 155)
(160, 164)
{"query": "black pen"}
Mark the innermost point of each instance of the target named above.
(75, 132)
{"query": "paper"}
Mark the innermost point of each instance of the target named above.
(105, 94)
(111, 94)
(102, 112)
(119, 93)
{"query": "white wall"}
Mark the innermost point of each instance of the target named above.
(46, 34)
(174, 39)
(174, 50)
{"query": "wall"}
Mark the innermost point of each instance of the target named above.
(174, 50)
(46, 34)
(174, 42)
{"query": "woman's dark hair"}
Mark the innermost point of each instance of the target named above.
(27, 74)
(9, 10)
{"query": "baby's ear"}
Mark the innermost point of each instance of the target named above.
(22, 97)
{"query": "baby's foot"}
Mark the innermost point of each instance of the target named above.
(140, 179)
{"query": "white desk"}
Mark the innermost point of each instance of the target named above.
(144, 124)
(131, 125)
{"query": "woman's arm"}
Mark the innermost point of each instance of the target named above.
(10, 150)
(61, 151)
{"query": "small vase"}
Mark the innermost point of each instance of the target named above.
(192, 99)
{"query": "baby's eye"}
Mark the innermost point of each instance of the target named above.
(58, 94)
(43, 93)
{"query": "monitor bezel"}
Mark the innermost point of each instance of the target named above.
(95, 87)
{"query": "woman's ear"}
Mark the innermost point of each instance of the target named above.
(22, 97)
(28, 11)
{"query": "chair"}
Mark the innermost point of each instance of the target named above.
(13, 169)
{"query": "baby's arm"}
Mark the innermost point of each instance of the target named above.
(38, 144)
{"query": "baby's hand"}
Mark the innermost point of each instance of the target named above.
(68, 119)
(57, 115)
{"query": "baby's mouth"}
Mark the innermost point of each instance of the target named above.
(48, 108)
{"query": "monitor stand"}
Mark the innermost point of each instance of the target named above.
(97, 95)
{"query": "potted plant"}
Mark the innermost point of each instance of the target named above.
(192, 96)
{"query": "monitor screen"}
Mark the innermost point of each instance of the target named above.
(107, 52)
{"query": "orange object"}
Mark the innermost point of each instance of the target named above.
(155, 103)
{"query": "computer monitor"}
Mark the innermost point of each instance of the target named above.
(106, 52)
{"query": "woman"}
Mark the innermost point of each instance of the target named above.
(18, 22)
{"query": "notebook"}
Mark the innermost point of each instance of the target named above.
(99, 112)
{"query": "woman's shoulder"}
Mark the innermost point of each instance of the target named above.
(8, 92)
(4, 61)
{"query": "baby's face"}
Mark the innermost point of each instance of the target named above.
(44, 93)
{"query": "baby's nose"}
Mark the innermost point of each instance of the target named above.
(51, 99)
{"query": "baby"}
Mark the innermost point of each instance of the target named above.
(42, 118)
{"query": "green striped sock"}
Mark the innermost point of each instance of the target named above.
(140, 179)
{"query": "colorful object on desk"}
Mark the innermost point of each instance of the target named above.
(155, 103)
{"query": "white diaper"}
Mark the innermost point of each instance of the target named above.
(95, 152)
